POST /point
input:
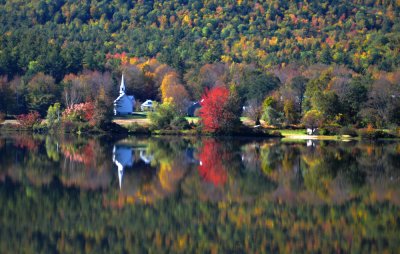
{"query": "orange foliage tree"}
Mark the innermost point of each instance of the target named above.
(171, 87)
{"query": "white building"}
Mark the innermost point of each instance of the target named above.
(148, 105)
(124, 104)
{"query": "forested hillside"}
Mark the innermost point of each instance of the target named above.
(278, 40)
(61, 36)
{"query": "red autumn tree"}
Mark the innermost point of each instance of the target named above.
(82, 112)
(29, 120)
(211, 167)
(219, 110)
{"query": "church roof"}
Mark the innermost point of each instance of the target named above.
(122, 92)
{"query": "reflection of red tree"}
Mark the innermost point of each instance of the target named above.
(211, 166)
(83, 155)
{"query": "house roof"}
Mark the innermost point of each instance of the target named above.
(148, 103)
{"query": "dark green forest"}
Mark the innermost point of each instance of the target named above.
(355, 43)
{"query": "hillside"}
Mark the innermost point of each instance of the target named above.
(59, 37)
(337, 60)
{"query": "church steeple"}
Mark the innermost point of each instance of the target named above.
(122, 87)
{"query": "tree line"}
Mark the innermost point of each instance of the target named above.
(280, 95)
(279, 59)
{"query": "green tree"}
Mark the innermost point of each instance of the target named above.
(313, 119)
(326, 55)
(102, 114)
(271, 114)
(162, 117)
(53, 115)
(299, 84)
(42, 92)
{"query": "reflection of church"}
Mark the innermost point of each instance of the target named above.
(125, 156)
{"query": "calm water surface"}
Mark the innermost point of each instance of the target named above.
(169, 194)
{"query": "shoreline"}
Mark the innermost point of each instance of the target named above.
(118, 129)
(183, 133)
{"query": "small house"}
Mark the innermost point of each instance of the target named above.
(192, 109)
(124, 104)
(312, 131)
(148, 105)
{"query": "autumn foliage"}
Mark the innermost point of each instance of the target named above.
(218, 110)
(79, 154)
(211, 167)
(171, 88)
(79, 112)
(30, 119)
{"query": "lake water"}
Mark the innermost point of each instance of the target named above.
(174, 194)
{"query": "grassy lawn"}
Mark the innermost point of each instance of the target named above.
(292, 132)
(135, 115)
(192, 119)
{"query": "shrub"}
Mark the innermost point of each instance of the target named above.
(394, 130)
(29, 120)
(164, 114)
(313, 119)
(82, 112)
(348, 131)
(371, 133)
(68, 126)
(273, 117)
(75, 127)
(102, 113)
(2, 117)
(276, 134)
(137, 129)
(53, 115)
(180, 123)
(41, 128)
(331, 129)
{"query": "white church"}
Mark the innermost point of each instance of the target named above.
(124, 104)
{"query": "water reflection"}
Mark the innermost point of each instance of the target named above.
(124, 156)
(208, 169)
(196, 195)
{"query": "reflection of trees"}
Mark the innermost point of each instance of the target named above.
(221, 175)
(86, 163)
(226, 172)
(39, 159)
(22, 159)
(271, 158)
(149, 183)
(333, 172)
(188, 214)
(26, 142)
(212, 158)
(52, 149)
(329, 166)
(52, 219)
(81, 152)
(236, 170)
(381, 163)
